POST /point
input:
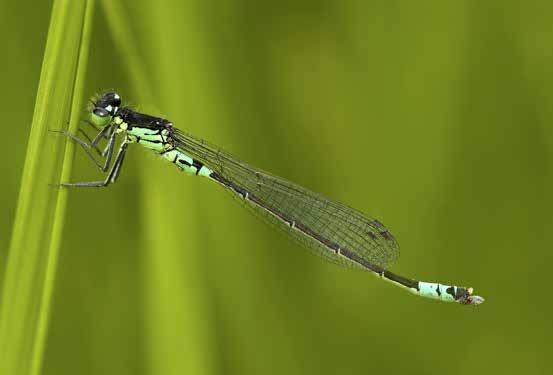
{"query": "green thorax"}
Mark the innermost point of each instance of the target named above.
(153, 139)
(158, 140)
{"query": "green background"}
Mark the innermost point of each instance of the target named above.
(432, 117)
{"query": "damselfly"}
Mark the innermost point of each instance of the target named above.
(332, 230)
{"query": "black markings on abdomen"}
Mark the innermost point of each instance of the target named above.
(148, 140)
(184, 162)
(197, 165)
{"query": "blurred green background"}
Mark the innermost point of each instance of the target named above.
(433, 117)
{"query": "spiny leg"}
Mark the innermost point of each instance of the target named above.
(105, 133)
(110, 135)
(89, 141)
(100, 132)
(107, 153)
(113, 173)
(85, 145)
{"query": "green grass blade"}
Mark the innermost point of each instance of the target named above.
(36, 236)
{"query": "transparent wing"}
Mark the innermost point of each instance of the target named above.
(333, 225)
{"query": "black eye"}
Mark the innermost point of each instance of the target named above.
(112, 98)
(100, 112)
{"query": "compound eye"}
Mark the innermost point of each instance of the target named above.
(113, 98)
(100, 116)
(100, 112)
(116, 100)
